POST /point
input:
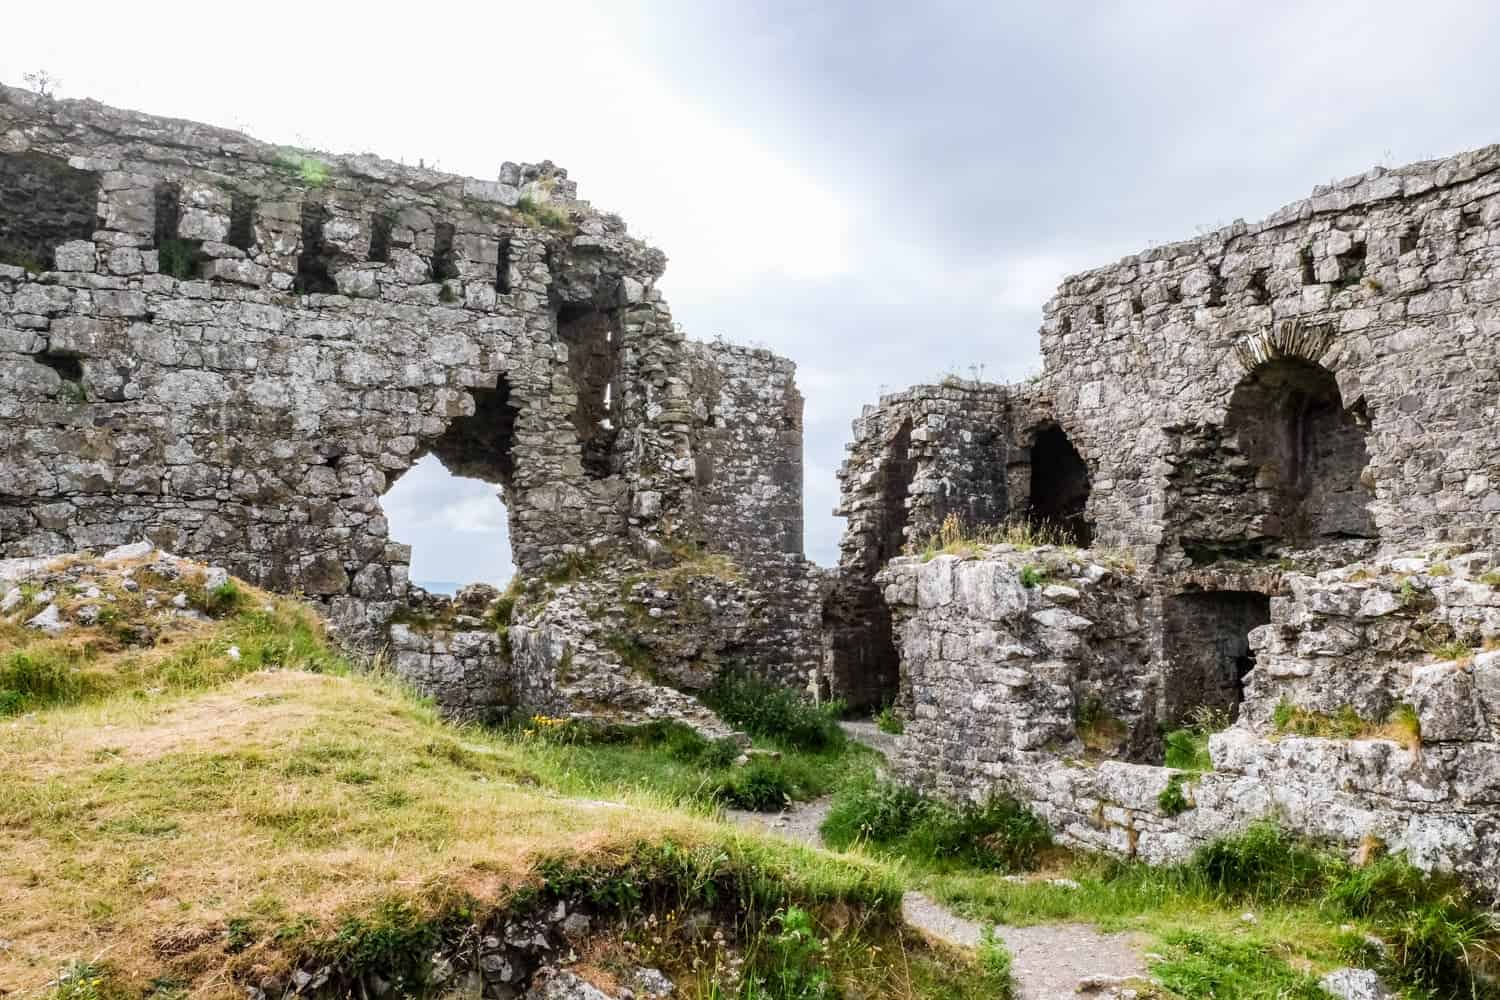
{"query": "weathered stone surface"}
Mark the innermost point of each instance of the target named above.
(1355, 984)
(1066, 715)
(276, 337)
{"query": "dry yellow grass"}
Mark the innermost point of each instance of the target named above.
(137, 830)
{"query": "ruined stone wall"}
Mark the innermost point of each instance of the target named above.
(917, 457)
(1011, 653)
(747, 451)
(235, 349)
(256, 404)
(1003, 674)
(1165, 367)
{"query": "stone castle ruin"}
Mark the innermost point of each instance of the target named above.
(1263, 462)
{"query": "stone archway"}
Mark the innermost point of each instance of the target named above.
(1287, 417)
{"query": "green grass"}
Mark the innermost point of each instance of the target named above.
(776, 714)
(1402, 724)
(543, 213)
(1313, 907)
(1199, 964)
(179, 258)
(671, 762)
(44, 672)
(1187, 750)
(999, 834)
(1172, 800)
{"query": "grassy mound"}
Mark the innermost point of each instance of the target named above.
(199, 794)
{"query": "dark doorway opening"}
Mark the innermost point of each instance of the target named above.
(593, 357)
(1059, 487)
(1208, 654)
(864, 666)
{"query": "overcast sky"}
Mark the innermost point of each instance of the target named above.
(885, 192)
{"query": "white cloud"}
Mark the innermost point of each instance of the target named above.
(474, 515)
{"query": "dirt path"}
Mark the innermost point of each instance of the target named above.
(1048, 961)
(871, 736)
(799, 823)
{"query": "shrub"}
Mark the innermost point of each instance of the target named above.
(41, 677)
(1172, 801)
(887, 721)
(217, 601)
(1033, 576)
(1187, 750)
(1262, 860)
(178, 258)
(1436, 935)
(775, 713)
(789, 966)
(876, 812)
(999, 833)
(759, 786)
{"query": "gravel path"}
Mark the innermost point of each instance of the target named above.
(1048, 961)
(799, 823)
(871, 736)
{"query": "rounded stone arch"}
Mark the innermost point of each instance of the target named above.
(1288, 418)
(1059, 484)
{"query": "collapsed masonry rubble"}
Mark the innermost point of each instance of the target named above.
(232, 350)
(1266, 463)
(1263, 460)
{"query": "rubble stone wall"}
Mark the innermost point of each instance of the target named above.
(1394, 277)
(917, 457)
(1002, 675)
(234, 349)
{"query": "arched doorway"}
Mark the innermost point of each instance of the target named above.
(1059, 487)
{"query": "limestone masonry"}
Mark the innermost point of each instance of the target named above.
(1254, 494)
(1268, 457)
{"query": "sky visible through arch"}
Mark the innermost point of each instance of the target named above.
(883, 192)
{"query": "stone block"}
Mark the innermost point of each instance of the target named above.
(1447, 703)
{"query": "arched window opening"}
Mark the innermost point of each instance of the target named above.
(1288, 418)
(449, 506)
(1059, 487)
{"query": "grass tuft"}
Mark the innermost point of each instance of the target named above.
(999, 834)
(777, 714)
(887, 721)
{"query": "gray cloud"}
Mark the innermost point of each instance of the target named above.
(980, 145)
(882, 191)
